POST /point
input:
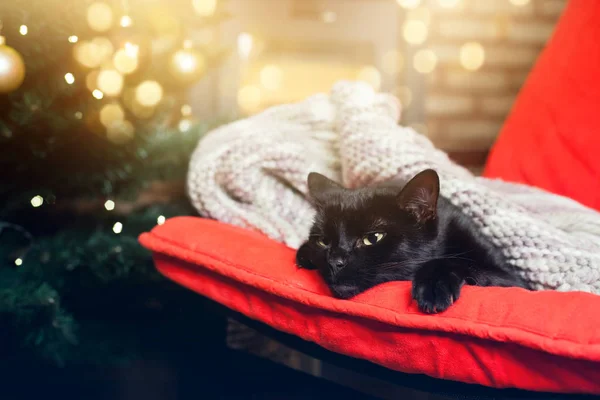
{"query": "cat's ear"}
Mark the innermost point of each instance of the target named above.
(320, 186)
(420, 195)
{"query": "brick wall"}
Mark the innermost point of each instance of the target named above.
(464, 109)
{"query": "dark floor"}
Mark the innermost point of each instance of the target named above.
(236, 376)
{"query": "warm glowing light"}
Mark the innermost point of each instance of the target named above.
(415, 32)
(245, 42)
(186, 62)
(111, 113)
(249, 98)
(87, 54)
(97, 94)
(188, 44)
(419, 14)
(73, 39)
(23, 30)
(18, 262)
(204, 8)
(448, 3)
(109, 205)
(184, 125)
(78, 115)
(99, 16)
(37, 201)
(186, 110)
(103, 46)
(425, 61)
(329, 17)
(92, 54)
(472, 56)
(519, 3)
(161, 219)
(110, 82)
(370, 75)
(117, 228)
(408, 3)
(120, 132)
(271, 77)
(149, 93)
(69, 78)
(391, 62)
(126, 21)
(132, 49)
(124, 62)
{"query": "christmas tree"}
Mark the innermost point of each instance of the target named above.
(95, 137)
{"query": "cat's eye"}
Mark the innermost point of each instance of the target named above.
(323, 242)
(372, 238)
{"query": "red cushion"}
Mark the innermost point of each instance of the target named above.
(499, 337)
(552, 136)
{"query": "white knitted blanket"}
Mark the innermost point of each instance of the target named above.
(252, 173)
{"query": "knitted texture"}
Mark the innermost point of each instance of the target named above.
(252, 173)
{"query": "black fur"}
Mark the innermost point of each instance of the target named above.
(426, 240)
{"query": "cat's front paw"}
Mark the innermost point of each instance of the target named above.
(434, 292)
(302, 260)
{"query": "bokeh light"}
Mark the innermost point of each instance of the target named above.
(126, 21)
(110, 82)
(160, 220)
(125, 62)
(117, 227)
(149, 93)
(109, 205)
(73, 39)
(111, 113)
(245, 42)
(99, 16)
(120, 132)
(69, 78)
(408, 3)
(184, 125)
(87, 54)
(23, 30)
(37, 201)
(204, 8)
(425, 61)
(419, 14)
(415, 32)
(448, 3)
(188, 62)
(103, 46)
(371, 75)
(186, 110)
(249, 98)
(472, 56)
(97, 94)
(271, 77)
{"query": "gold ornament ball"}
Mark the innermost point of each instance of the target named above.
(12, 69)
(187, 65)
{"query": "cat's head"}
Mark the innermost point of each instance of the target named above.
(363, 237)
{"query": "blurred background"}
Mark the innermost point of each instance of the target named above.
(102, 102)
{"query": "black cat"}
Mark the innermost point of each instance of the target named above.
(364, 237)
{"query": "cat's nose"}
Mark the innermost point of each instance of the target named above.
(338, 262)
